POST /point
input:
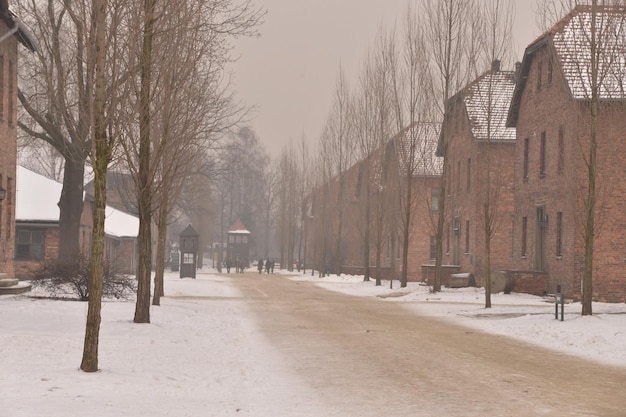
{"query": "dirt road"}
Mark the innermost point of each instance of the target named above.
(368, 357)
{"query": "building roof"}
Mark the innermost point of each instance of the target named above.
(20, 31)
(487, 102)
(570, 39)
(121, 192)
(189, 231)
(572, 43)
(419, 143)
(238, 228)
(37, 199)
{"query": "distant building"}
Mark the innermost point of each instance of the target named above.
(37, 228)
(238, 248)
(481, 153)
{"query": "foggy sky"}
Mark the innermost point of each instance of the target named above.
(289, 72)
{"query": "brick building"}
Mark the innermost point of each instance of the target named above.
(385, 170)
(12, 32)
(480, 151)
(37, 228)
(551, 110)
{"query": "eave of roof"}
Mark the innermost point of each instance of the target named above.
(22, 33)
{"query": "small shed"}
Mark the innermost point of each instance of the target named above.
(238, 252)
(188, 252)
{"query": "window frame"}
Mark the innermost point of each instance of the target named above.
(28, 251)
(526, 158)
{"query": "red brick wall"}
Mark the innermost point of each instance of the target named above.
(550, 109)
(466, 204)
(24, 269)
(8, 151)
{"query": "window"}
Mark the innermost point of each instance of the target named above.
(539, 71)
(559, 234)
(244, 239)
(11, 87)
(434, 199)
(469, 173)
(359, 181)
(231, 239)
(525, 167)
(433, 247)
(561, 156)
(1, 86)
(467, 236)
(524, 235)
(187, 258)
(30, 244)
(458, 177)
(542, 155)
(9, 203)
(549, 71)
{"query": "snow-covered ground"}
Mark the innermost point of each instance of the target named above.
(202, 355)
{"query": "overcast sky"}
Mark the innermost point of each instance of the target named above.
(289, 72)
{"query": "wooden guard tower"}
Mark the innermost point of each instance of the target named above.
(238, 244)
(188, 252)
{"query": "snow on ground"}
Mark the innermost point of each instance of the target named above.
(203, 354)
(600, 337)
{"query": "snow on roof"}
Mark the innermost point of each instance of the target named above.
(572, 42)
(238, 228)
(37, 199)
(487, 101)
(419, 142)
(120, 224)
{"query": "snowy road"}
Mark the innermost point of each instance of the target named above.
(367, 357)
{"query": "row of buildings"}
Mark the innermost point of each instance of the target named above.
(517, 145)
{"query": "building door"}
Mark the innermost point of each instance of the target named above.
(542, 223)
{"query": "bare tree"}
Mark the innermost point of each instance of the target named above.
(453, 49)
(56, 95)
(412, 104)
(341, 144)
(497, 18)
(99, 48)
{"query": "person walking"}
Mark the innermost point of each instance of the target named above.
(260, 266)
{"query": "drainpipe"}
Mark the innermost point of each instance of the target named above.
(10, 32)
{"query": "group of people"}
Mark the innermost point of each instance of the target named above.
(268, 265)
(239, 265)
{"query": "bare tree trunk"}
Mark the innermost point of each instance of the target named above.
(590, 203)
(367, 224)
(160, 253)
(70, 211)
(144, 185)
(89, 361)
(406, 232)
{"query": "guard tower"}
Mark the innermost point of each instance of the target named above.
(188, 252)
(238, 244)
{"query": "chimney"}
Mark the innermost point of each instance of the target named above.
(4, 8)
(495, 65)
(518, 70)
